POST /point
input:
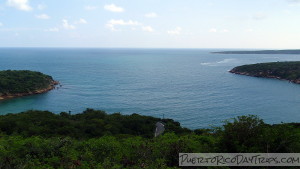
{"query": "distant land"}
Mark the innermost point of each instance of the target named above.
(292, 52)
(17, 83)
(278, 70)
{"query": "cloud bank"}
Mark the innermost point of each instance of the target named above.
(113, 8)
(20, 4)
(176, 31)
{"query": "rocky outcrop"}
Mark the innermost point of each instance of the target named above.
(51, 86)
(263, 75)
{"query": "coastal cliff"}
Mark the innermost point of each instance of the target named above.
(18, 83)
(277, 70)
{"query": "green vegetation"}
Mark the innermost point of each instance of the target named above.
(279, 70)
(94, 139)
(91, 123)
(14, 82)
(294, 51)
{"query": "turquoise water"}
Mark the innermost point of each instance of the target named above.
(191, 86)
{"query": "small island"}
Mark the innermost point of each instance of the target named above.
(278, 70)
(289, 51)
(17, 83)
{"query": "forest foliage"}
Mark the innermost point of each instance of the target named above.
(283, 70)
(89, 124)
(95, 139)
(22, 81)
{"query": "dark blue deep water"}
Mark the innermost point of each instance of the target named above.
(191, 86)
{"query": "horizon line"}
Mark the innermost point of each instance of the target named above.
(149, 48)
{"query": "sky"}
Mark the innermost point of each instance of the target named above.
(265, 24)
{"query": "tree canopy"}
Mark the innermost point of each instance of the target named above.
(95, 139)
(282, 70)
(88, 124)
(23, 81)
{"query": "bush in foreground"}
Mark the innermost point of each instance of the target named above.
(42, 144)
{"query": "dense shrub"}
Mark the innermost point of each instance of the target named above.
(47, 140)
(89, 124)
(22, 81)
(283, 70)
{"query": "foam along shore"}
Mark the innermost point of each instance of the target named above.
(289, 71)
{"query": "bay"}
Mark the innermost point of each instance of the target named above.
(192, 86)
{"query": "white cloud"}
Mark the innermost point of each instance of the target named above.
(81, 21)
(19, 4)
(42, 16)
(224, 31)
(112, 23)
(90, 8)
(151, 15)
(147, 29)
(66, 25)
(41, 7)
(176, 31)
(249, 30)
(113, 8)
(52, 30)
(213, 30)
(259, 16)
(122, 22)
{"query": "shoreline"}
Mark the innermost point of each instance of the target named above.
(50, 87)
(267, 52)
(296, 81)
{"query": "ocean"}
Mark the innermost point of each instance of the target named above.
(192, 86)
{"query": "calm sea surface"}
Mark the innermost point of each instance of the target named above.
(191, 86)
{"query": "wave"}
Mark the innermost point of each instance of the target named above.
(225, 61)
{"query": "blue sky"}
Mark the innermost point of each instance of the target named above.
(150, 23)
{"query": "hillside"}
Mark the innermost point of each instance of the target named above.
(94, 139)
(278, 70)
(88, 124)
(16, 83)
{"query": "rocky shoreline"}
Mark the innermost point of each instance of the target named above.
(51, 86)
(263, 75)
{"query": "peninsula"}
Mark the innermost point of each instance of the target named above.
(17, 83)
(278, 70)
(291, 51)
